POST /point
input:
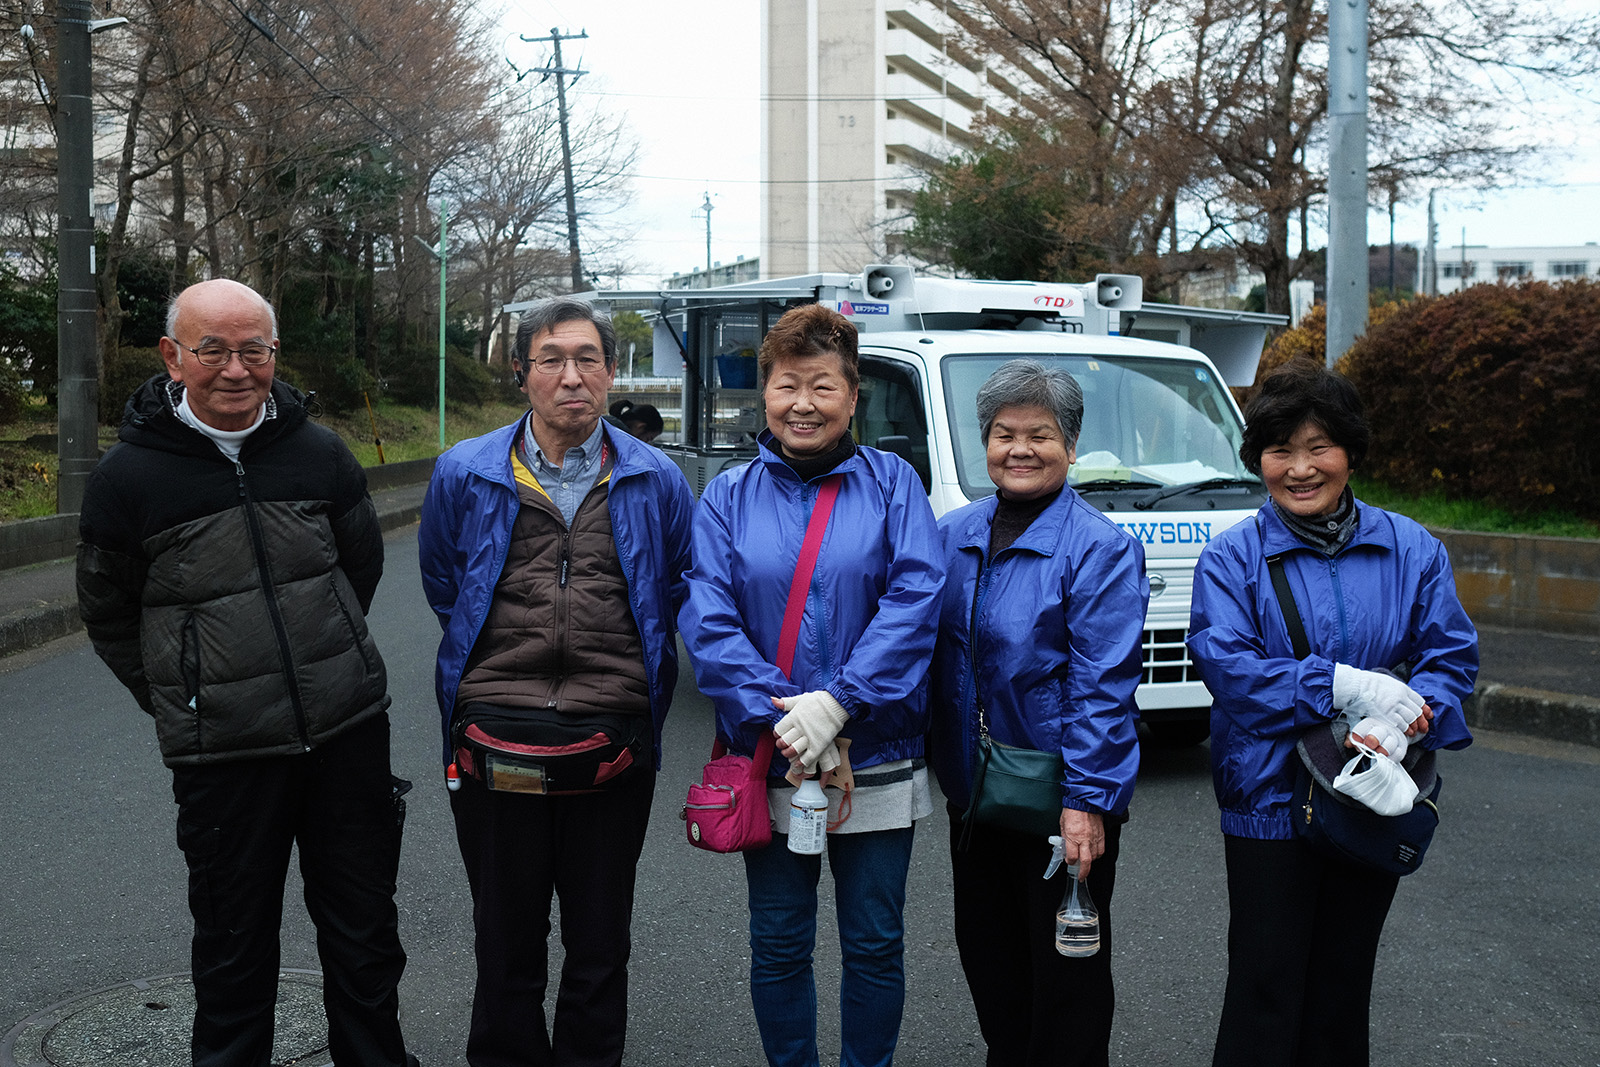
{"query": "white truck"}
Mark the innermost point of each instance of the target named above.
(1158, 450)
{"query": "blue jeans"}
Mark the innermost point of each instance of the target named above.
(869, 878)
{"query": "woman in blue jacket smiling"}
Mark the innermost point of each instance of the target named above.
(1373, 590)
(1040, 632)
(859, 675)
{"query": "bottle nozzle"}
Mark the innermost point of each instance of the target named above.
(1057, 855)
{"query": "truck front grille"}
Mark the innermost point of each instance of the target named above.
(1166, 657)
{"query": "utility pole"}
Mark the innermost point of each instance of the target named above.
(561, 75)
(1430, 278)
(77, 306)
(1347, 175)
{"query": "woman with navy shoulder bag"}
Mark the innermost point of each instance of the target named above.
(854, 701)
(1374, 591)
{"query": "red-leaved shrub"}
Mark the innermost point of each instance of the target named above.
(1492, 393)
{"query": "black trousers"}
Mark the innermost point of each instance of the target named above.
(1035, 1007)
(519, 849)
(1303, 935)
(237, 823)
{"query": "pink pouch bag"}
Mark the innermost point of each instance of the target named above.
(727, 810)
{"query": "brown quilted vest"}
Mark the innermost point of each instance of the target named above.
(560, 633)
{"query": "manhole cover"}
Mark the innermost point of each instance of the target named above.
(146, 1023)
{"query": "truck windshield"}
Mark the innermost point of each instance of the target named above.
(1147, 423)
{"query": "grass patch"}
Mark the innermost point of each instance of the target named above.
(28, 446)
(1433, 509)
(413, 433)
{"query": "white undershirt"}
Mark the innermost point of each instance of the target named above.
(229, 441)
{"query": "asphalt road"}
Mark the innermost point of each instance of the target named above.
(1492, 953)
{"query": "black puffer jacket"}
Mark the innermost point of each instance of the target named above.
(230, 598)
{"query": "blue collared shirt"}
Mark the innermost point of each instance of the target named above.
(566, 483)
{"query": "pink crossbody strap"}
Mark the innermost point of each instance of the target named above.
(810, 549)
(789, 636)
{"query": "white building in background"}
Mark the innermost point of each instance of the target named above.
(740, 270)
(856, 94)
(1461, 266)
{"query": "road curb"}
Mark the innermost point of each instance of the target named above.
(1535, 712)
(32, 627)
(22, 630)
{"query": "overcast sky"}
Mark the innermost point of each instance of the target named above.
(687, 75)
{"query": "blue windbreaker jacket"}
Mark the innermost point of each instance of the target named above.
(1060, 625)
(467, 518)
(870, 614)
(1388, 596)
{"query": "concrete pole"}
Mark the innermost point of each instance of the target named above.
(578, 284)
(1347, 174)
(77, 353)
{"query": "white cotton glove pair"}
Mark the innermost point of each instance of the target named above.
(1371, 694)
(811, 722)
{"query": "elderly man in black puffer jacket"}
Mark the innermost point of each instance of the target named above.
(229, 552)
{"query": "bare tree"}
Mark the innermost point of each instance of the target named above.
(1208, 116)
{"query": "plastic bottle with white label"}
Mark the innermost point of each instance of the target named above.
(808, 819)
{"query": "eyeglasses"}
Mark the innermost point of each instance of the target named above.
(555, 364)
(219, 355)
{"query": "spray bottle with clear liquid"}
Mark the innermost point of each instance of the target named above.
(1077, 920)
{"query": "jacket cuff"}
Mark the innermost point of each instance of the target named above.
(851, 708)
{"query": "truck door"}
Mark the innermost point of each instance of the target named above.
(890, 414)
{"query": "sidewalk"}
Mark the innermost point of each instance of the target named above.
(39, 603)
(1543, 685)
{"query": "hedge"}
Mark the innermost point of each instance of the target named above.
(1491, 393)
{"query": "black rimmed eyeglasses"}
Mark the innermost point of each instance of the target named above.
(553, 364)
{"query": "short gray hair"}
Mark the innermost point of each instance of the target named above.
(1029, 383)
(552, 312)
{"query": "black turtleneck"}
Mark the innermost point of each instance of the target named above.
(1013, 517)
(809, 467)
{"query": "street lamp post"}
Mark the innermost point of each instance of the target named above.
(442, 254)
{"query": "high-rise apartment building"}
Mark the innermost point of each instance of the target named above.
(857, 97)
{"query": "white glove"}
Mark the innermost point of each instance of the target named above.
(1393, 741)
(814, 719)
(1367, 694)
(828, 761)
